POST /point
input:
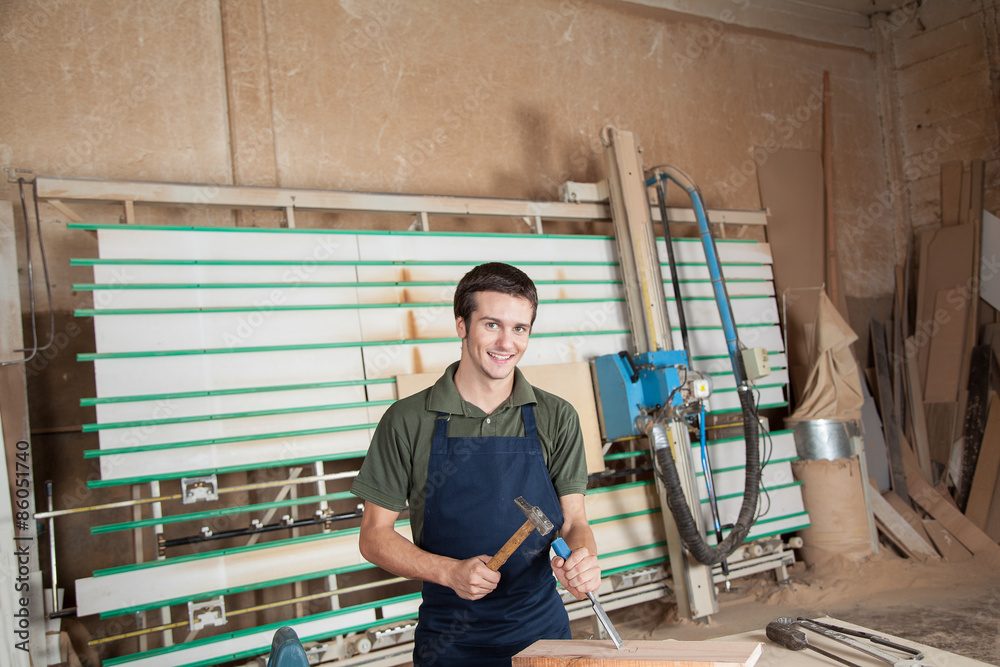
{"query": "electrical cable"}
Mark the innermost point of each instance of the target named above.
(31, 283)
(45, 270)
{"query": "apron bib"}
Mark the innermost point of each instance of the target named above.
(470, 510)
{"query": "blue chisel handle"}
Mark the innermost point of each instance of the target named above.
(561, 548)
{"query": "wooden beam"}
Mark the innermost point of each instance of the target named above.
(637, 653)
(895, 526)
(951, 192)
(919, 420)
(954, 521)
(54, 188)
(890, 421)
(65, 210)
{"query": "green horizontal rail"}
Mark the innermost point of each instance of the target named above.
(767, 406)
(96, 312)
(230, 392)
(719, 471)
(138, 261)
(225, 511)
(628, 515)
(232, 590)
(268, 631)
(777, 487)
(89, 226)
(97, 453)
(89, 287)
(87, 428)
(94, 356)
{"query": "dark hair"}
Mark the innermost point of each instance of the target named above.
(493, 277)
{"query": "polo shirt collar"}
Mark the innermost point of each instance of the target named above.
(444, 396)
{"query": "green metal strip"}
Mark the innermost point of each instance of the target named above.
(90, 261)
(230, 551)
(630, 550)
(221, 470)
(225, 511)
(115, 451)
(97, 312)
(766, 488)
(336, 232)
(268, 630)
(230, 392)
(719, 471)
(783, 404)
(90, 287)
(89, 428)
(629, 515)
(232, 590)
(95, 356)
(618, 487)
(722, 441)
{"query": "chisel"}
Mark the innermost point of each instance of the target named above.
(562, 550)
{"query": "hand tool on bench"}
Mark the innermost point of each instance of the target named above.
(786, 636)
(838, 634)
(563, 551)
(783, 633)
(536, 521)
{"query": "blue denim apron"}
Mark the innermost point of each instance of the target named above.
(470, 510)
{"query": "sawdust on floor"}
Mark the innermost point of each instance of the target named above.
(948, 605)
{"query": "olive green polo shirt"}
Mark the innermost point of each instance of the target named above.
(394, 472)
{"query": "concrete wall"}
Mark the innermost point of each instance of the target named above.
(450, 97)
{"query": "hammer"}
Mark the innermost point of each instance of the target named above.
(536, 521)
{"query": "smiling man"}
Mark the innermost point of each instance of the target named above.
(458, 454)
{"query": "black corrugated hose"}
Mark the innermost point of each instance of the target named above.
(686, 525)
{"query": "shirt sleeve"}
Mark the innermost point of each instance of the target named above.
(385, 477)
(567, 458)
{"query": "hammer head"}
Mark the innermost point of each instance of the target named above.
(535, 516)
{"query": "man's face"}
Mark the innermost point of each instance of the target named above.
(496, 334)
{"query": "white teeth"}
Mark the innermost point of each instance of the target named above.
(500, 358)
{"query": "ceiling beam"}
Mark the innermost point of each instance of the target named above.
(795, 18)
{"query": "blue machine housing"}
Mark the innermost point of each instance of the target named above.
(628, 391)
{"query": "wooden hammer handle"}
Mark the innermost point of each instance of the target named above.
(512, 544)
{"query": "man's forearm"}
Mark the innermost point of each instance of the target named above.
(394, 553)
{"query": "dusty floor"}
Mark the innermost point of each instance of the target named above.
(950, 606)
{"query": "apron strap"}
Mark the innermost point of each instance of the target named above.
(441, 432)
(528, 417)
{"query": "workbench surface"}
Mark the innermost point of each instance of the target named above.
(776, 656)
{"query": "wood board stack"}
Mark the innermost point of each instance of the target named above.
(936, 373)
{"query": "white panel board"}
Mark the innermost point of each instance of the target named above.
(232, 331)
(205, 372)
(126, 243)
(485, 248)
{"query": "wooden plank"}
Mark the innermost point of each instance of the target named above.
(975, 420)
(940, 427)
(953, 521)
(950, 548)
(965, 192)
(637, 653)
(570, 381)
(907, 512)
(944, 359)
(890, 421)
(917, 417)
(899, 531)
(65, 210)
(951, 192)
(987, 469)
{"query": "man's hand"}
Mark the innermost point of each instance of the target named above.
(579, 574)
(471, 579)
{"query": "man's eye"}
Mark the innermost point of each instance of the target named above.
(491, 325)
(520, 329)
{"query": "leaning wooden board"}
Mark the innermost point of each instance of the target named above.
(636, 653)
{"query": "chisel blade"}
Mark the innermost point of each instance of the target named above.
(605, 621)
